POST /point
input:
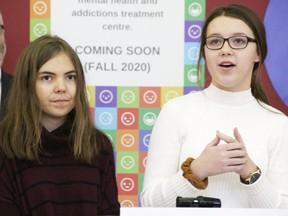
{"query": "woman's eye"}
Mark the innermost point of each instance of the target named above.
(239, 41)
(46, 77)
(215, 42)
(71, 77)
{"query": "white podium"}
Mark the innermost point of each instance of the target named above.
(142, 211)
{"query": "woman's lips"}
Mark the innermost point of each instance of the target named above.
(227, 64)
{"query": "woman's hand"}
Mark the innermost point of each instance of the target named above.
(218, 158)
(249, 166)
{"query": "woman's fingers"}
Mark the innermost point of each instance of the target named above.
(237, 135)
(225, 137)
(215, 141)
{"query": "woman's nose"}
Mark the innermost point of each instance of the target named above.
(226, 49)
(60, 86)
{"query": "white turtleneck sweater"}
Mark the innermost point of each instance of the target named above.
(188, 123)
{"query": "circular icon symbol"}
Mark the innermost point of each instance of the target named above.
(127, 140)
(144, 162)
(193, 75)
(150, 97)
(40, 8)
(170, 95)
(146, 140)
(128, 118)
(149, 118)
(193, 53)
(127, 162)
(127, 184)
(195, 9)
(127, 203)
(106, 96)
(40, 29)
(128, 96)
(105, 118)
(194, 31)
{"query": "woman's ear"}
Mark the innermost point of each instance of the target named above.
(257, 58)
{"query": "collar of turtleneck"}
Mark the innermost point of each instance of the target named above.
(58, 141)
(227, 98)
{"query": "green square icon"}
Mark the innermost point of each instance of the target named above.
(127, 162)
(39, 27)
(193, 77)
(148, 117)
(128, 97)
(195, 10)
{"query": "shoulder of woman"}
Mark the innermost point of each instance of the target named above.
(274, 112)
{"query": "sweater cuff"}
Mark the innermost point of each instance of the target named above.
(262, 195)
(182, 186)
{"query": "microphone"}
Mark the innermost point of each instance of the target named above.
(200, 201)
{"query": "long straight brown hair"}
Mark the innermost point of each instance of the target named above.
(20, 129)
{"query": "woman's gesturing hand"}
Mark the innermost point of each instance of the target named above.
(222, 157)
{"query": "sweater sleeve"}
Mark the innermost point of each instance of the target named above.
(271, 190)
(108, 202)
(163, 181)
(7, 200)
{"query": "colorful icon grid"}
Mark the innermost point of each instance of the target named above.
(127, 114)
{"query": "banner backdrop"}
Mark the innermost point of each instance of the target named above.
(137, 55)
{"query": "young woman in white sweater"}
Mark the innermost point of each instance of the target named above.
(224, 141)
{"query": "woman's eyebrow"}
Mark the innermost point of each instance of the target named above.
(234, 34)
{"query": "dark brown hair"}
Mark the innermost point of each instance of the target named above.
(256, 25)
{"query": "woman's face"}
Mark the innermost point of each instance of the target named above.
(56, 89)
(231, 69)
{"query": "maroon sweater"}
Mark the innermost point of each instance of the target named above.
(59, 184)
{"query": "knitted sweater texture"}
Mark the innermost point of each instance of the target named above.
(59, 184)
(188, 123)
